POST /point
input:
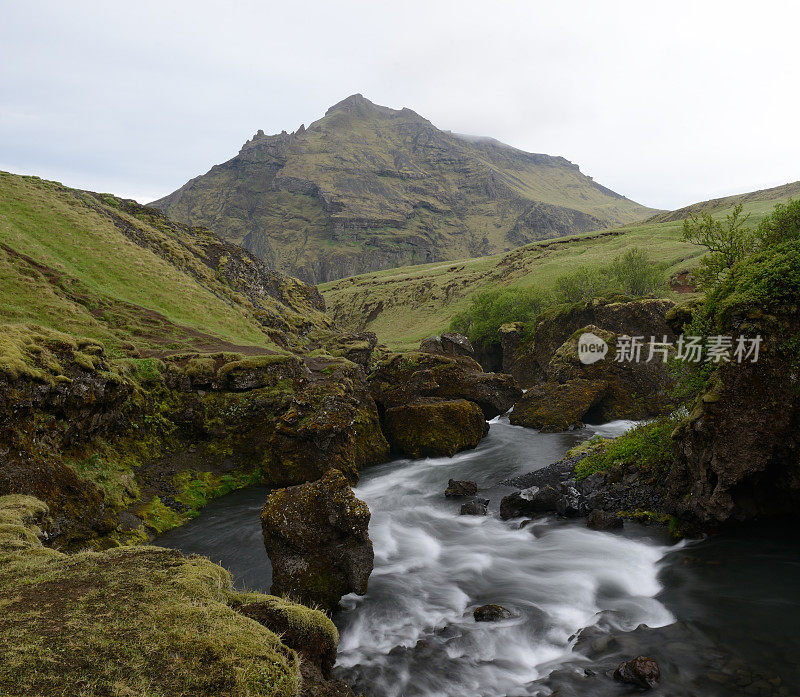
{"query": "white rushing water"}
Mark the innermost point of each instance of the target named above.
(414, 633)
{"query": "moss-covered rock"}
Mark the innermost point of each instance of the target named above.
(558, 406)
(528, 360)
(332, 421)
(636, 389)
(309, 632)
(140, 620)
(435, 428)
(317, 538)
(122, 451)
(404, 378)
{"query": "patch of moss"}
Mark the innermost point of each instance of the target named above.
(647, 517)
(159, 517)
(198, 488)
(117, 481)
(647, 446)
(133, 621)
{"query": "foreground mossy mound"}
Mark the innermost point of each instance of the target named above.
(138, 621)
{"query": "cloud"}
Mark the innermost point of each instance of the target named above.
(666, 104)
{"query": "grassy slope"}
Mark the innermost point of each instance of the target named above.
(65, 264)
(405, 305)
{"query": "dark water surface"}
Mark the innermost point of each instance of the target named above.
(722, 615)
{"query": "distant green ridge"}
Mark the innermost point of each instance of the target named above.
(404, 305)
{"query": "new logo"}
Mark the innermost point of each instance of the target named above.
(591, 348)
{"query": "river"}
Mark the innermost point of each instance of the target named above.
(720, 615)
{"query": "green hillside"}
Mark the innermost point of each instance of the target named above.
(405, 305)
(367, 188)
(108, 269)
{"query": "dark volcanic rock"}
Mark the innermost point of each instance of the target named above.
(460, 487)
(448, 344)
(317, 539)
(408, 377)
(640, 671)
(530, 502)
(475, 507)
(600, 520)
(490, 613)
(554, 489)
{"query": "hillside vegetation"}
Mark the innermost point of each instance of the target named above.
(405, 305)
(367, 188)
(101, 267)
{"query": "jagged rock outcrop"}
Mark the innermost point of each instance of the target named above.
(529, 361)
(448, 344)
(317, 539)
(327, 202)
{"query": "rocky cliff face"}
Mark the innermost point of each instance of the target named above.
(737, 456)
(367, 188)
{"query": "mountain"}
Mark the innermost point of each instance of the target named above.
(367, 187)
(405, 305)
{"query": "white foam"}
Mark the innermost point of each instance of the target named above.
(414, 634)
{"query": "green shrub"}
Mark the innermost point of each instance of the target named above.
(583, 284)
(782, 225)
(490, 309)
(636, 274)
(727, 241)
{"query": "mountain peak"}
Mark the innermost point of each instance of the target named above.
(355, 102)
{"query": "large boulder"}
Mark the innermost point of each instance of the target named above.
(317, 539)
(332, 421)
(404, 378)
(558, 406)
(448, 344)
(434, 428)
(600, 391)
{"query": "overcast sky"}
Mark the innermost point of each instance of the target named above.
(667, 104)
